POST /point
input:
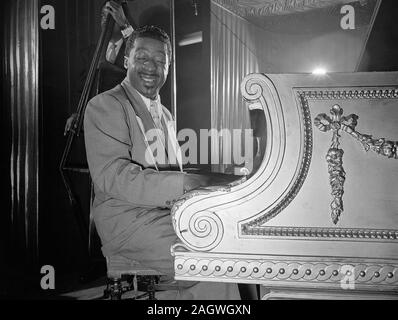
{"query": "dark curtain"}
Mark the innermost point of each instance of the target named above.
(19, 216)
(20, 124)
(42, 75)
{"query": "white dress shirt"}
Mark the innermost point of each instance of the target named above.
(158, 105)
(113, 50)
(172, 137)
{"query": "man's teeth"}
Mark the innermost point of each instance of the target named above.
(148, 78)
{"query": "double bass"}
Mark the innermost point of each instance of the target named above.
(92, 85)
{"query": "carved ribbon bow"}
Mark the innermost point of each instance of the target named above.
(334, 156)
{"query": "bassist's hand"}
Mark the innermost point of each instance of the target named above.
(116, 10)
(69, 123)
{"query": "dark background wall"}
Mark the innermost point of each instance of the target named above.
(382, 46)
(193, 70)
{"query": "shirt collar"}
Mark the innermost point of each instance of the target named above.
(146, 100)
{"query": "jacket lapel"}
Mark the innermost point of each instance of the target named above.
(146, 123)
(139, 107)
(173, 150)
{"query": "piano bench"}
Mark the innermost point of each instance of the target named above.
(139, 278)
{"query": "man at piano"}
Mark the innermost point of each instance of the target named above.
(112, 67)
(134, 186)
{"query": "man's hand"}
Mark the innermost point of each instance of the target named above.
(116, 10)
(69, 122)
(194, 181)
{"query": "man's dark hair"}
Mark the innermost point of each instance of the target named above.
(152, 32)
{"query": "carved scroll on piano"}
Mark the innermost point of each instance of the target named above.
(275, 228)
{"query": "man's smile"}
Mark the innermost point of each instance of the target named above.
(149, 79)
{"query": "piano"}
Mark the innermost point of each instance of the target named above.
(318, 217)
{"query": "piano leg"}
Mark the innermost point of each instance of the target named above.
(249, 291)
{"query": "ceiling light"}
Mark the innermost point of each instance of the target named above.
(191, 38)
(319, 71)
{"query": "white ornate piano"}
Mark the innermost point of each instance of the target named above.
(318, 218)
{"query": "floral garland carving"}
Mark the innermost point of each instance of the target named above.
(336, 123)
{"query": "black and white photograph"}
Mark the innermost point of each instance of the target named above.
(228, 152)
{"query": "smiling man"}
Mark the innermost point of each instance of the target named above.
(148, 65)
(133, 188)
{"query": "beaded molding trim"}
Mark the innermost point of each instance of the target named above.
(330, 272)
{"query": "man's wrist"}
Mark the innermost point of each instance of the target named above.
(126, 30)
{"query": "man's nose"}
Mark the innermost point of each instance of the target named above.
(150, 65)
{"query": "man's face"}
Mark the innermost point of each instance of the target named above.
(148, 66)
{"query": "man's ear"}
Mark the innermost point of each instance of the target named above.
(126, 62)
